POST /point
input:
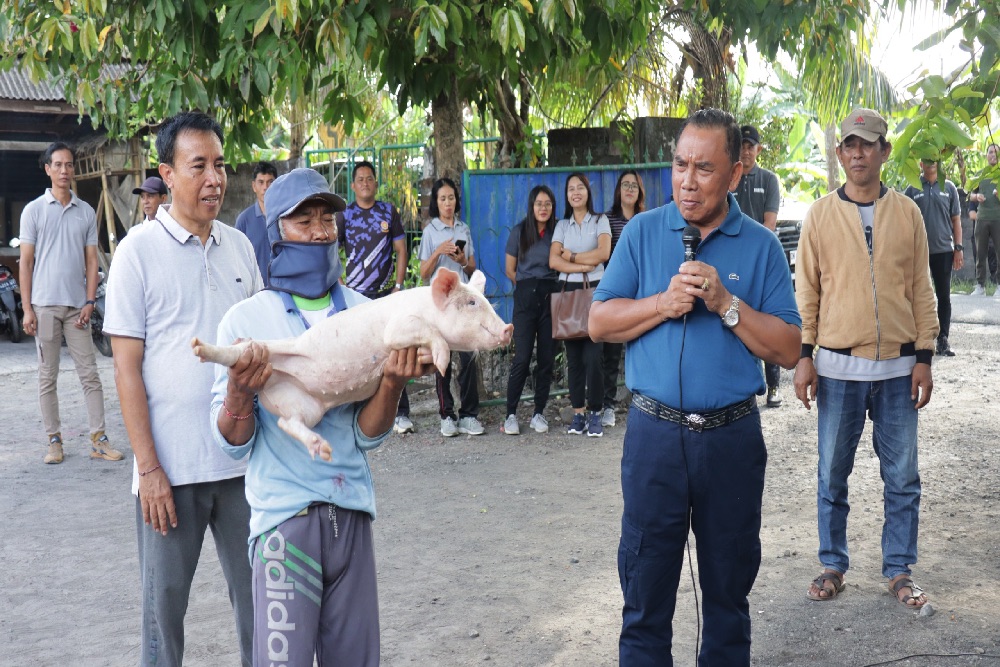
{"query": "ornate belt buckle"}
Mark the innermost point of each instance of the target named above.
(694, 421)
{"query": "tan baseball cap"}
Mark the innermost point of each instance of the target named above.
(865, 123)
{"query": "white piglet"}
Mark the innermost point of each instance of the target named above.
(341, 359)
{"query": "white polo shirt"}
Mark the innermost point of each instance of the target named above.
(165, 288)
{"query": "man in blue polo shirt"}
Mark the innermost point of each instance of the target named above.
(694, 455)
(251, 220)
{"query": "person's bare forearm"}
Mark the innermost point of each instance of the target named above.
(623, 320)
(90, 253)
(135, 413)
(379, 412)
(768, 337)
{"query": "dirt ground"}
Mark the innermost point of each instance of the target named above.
(502, 550)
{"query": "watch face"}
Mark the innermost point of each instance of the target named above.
(732, 318)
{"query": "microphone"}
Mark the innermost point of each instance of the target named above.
(691, 237)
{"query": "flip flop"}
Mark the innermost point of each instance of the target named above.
(834, 578)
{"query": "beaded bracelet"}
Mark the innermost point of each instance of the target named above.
(235, 417)
(143, 474)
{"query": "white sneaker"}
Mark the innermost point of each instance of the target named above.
(510, 426)
(538, 424)
(608, 417)
(470, 426)
(448, 427)
(978, 290)
(402, 425)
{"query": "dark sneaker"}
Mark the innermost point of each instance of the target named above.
(773, 397)
(594, 428)
(943, 348)
(578, 425)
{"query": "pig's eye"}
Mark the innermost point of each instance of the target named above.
(472, 302)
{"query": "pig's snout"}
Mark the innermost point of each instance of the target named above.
(507, 334)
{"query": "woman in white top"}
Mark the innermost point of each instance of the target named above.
(447, 242)
(580, 246)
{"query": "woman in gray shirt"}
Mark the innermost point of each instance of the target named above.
(580, 246)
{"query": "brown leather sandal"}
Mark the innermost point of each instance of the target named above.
(904, 581)
(834, 578)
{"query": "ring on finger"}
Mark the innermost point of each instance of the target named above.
(705, 285)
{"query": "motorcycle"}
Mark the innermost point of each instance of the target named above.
(101, 342)
(10, 317)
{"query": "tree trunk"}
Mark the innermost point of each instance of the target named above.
(297, 132)
(446, 117)
(512, 122)
(832, 163)
(707, 54)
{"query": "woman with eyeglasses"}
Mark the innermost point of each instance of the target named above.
(527, 266)
(580, 246)
(447, 242)
(630, 198)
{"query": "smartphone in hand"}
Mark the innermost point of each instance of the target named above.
(461, 244)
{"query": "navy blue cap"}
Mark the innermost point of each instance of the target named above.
(152, 185)
(291, 190)
(749, 133)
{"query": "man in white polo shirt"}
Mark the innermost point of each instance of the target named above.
(172, 280)
(58, 291)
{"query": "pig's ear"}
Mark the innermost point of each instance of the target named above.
(442, 285)
(478, 281)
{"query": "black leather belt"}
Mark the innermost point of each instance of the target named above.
(693, 420)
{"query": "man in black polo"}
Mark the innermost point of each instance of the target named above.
(759, 197)
(942, 211)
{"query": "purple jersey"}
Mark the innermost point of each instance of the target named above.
(367, 236)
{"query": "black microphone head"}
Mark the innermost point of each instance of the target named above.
(691, 237)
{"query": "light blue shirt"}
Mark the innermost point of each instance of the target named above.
(716, 368)
(282, 478)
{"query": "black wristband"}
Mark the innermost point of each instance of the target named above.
(959, 246)
(90, 302)
(807, 351)
(925, 356)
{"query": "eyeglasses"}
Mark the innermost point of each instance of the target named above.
(543, 204)
(629, 187)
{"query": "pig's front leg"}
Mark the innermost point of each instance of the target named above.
(314, 442)
(226, 356)
(412, 331)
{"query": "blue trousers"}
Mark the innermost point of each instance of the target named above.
(712, 482)
(843, 405)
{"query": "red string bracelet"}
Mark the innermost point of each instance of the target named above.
(143, 474)
(235, 417)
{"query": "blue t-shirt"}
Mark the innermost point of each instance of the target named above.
(253, 223)
(717, 368)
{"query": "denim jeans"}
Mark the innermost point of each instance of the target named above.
(673, 480)
(842, 405)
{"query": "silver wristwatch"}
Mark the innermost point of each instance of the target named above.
(732, 316)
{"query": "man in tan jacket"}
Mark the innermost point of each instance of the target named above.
(868, 309)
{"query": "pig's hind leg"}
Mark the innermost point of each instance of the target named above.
(297, 412)
(410, 331)
(314, 442)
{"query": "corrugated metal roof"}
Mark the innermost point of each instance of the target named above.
(16, 85)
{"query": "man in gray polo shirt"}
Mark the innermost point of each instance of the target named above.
(172, 280)
(942, 211)
(58, 291)
(759, 197)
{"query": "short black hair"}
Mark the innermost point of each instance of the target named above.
(362, 165)
(266, 168)
(717, 119)
(194, 121)
(46, 157)
(438, 184)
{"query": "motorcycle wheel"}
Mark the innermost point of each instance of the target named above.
(15, 331)
(101, 342)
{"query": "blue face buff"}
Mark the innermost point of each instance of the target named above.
(309, 270)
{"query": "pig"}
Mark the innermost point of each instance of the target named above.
(341, 359)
